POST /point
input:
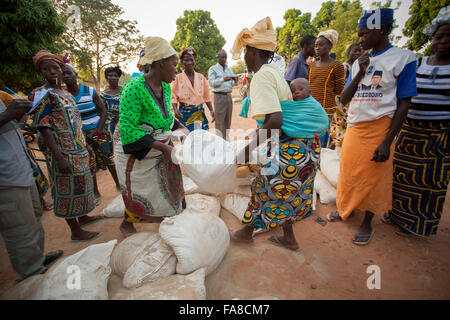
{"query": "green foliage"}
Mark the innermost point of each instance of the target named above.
(346, 15)
(295, 27)
(421, 13)
(26, 26)
(324, 16)
(197, 29)
(103, 39)
(239, 67)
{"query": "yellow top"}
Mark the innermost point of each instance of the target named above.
(267, 89)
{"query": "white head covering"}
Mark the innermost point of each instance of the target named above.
(331, 35)
(443, 17)
(156, 48)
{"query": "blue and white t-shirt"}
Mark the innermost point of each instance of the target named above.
(86, 105)
(391, 75)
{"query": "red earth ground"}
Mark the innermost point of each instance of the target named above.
(327, 266)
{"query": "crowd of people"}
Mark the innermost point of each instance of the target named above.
(387, 111)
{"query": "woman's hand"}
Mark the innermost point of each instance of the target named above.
(364, 62)
(382, 152)
(63, 165)
(167, 151)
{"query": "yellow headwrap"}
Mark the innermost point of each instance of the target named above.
(156, 49)
(331, 35)
(260, 36)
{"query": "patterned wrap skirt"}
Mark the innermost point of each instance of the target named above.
(100, 148)
(285, 196)
(151, 187)
(421, 175)
(192, 115)
(73, 194)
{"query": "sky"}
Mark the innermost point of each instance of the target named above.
(158, 18)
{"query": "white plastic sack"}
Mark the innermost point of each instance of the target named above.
(243, 190)
(82, 276)
(324, 189)
(143, 257)
(115, 208)
(208, 159)
(174, 287)
(24, 290)
(200, 203)
(198, 240)
(189, 186)
(329, 165)
(237, 204)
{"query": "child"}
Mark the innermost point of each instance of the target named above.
(300, 89)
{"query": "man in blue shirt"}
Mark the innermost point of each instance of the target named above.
(298, 67)
(221, 80)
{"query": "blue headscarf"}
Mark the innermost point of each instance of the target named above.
(386, 17)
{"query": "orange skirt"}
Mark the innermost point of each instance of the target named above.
(364, 184)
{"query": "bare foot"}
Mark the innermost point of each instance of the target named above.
(127, 228)
(243, 235)
(284, 242)
(83, 235)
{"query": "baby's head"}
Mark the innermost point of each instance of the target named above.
(300, 89)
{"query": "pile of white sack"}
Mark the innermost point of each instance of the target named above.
(326, 180)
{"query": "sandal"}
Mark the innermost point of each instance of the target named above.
(90, 239)
(97, 219)
(364, 236)
(52, 256)
(404, 233)
(386, 218)
(234, 239)
(334, 216)
(97, 201)
(278, 242)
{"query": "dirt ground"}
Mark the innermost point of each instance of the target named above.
(327, 266)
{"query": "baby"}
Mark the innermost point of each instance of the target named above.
(300, 89)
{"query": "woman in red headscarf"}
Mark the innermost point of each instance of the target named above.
(61, 135)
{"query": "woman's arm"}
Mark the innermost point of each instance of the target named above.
(49, 141)
(103, 114)
(350, 90)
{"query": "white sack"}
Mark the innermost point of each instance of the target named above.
(189, 186)
(115, 208)
(142, 257)
(198, 240)
(237, 204)
(174, 287)
(324, 189)
(208, 159)
(200, 203)
(92, 266)
(329, 165)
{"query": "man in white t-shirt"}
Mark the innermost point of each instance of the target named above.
(379, 89)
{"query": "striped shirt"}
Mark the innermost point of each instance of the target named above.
(433, 99)
(86, 105)
(326, 83)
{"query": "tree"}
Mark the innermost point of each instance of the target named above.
(346, 15)
(25, 28)
(295, 27)
(324, 16)
(197, 29)
(421, 13)
(101, 39)
(239, 67)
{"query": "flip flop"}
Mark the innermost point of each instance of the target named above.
(334, 216)
(234, 239)
(404, 233)
(277, 242)
(126, 234)
(52, 256)
(100, 218)
(363, 243)
(97, 201)
(87, 240)
(386, 218)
